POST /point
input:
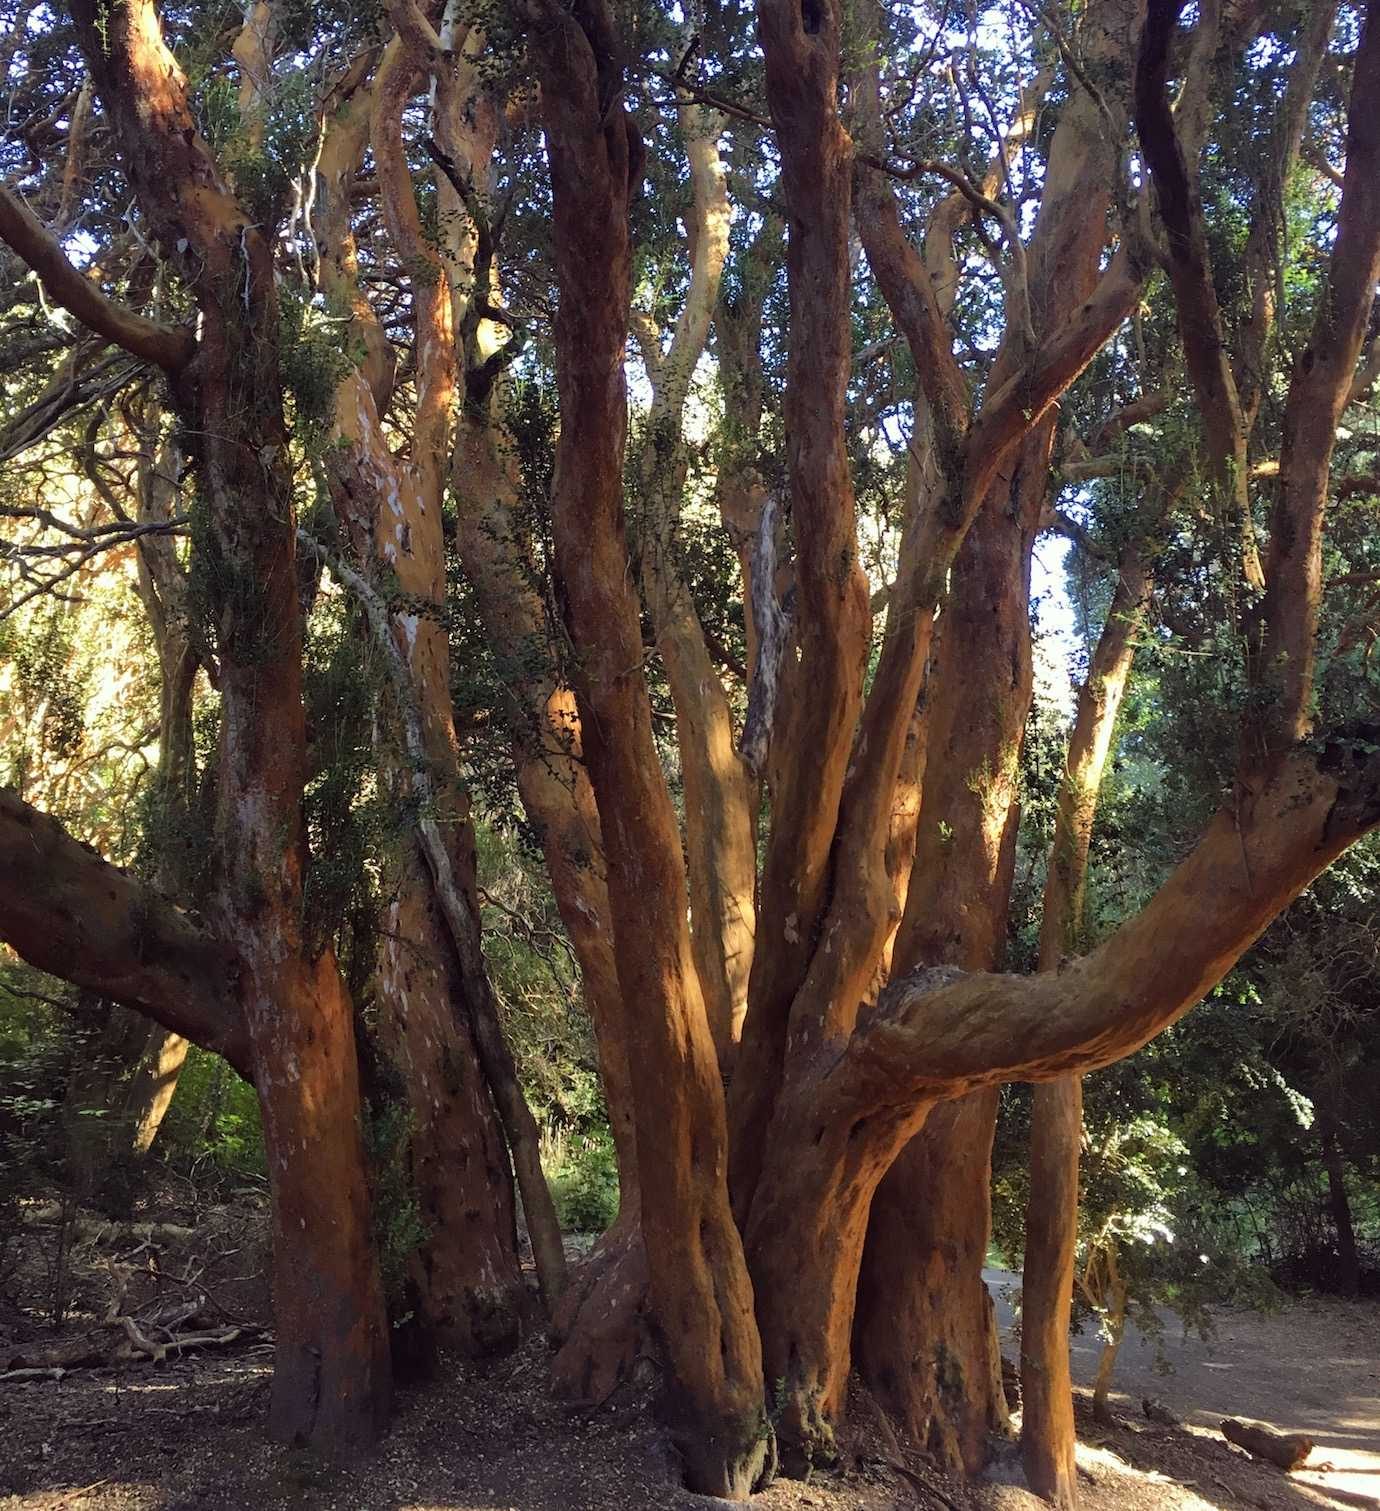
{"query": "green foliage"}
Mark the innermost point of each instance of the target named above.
(351, 823)
(33, 1054)
(583, 1174)
(213, 1125)
(315, 360)
(536, 983)
(220, 592)
(52, 689)
(263, 173)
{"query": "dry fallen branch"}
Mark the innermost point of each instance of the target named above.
(1286, 1450)
(101, 1228)
(178, 1343)
(97, 1349)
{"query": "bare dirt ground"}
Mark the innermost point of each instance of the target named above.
(1313, 1367)
(187, 1432)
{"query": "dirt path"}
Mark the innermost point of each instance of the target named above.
(1313, 1368)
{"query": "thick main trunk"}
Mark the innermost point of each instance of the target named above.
(956, 907)
(332, 1374)
(701, 1294)
(925, 1335)
(805, 1246)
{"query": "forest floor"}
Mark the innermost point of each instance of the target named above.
(187, 1432)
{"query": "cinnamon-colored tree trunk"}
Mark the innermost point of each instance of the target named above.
(699, 1282)
(1051, 1224)
(925, 1330)
(331, 1377)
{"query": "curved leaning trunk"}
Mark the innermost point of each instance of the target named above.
(942, 1033)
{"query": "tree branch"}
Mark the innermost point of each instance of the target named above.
(1189, 266)
(1263, 848)
(167, 346)
(70, 913)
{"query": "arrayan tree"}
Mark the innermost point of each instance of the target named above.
(971, 258)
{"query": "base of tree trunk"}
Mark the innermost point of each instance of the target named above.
(332, 1379)
(338, 1413)
(606, 1331)
(805, 1434)
(732, 1458)
(602, 1323)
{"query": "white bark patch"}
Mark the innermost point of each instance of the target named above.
(773, 630)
